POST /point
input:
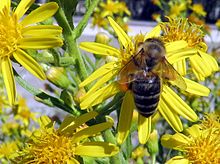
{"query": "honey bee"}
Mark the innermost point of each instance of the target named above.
(145, 73)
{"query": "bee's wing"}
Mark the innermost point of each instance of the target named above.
(168, 72)
(130, 69)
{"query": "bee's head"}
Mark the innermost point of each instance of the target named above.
(154, 51)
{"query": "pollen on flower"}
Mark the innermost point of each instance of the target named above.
(211, 120)
(50, 147)
(10, 33)
(181, 29)
(204, 149)
(131, 49)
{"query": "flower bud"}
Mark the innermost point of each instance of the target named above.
(58, 76)
(102, 38)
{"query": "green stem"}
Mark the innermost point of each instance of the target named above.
(79, 62)
(71, 36)
(154, 159)
(43, 97)
(109, 137)
(83, 23)
(67, 31)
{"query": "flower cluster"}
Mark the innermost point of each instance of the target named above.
(199, 144)
(181, 9)
(182, 29)
(170, 106)
(149, 83)
(114, 8)
(67, 143)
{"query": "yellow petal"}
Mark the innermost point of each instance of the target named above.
(73, 161)
(29, 63)
(125, 117)
(122, 36)
(194, 130)
(108, 76)
(90, 131)
(209, 60)
(41, 31)
(8, 78)
(96, 149)
(180, 67)
(177, 105)
(144, 128)
(5, 3)
(23, 6)
(174, 141)
(100, 95)
(174, 57)
(170, 116)
(196, 88)
(179, 160)
(70, 128)
(155, 32)
(100, 49)
(200, 65)
(40, 14)
(199, 76)
(175, 46)
(40, 42)
(45, 121)
(98, 73)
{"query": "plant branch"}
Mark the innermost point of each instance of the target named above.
(44, 97)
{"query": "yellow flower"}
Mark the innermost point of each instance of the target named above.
(99, 21)
(202, 64)
(23, 113)
(139, 152)
(9, 128)
(199, 146)
(170, 106)
(198, 9)
(8, 148)
(65, 144)
(18, 34)
(176, 9)
(113, 7)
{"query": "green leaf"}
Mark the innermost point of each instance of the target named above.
(67, 98)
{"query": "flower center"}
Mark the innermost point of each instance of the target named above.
(10, 33)
(181, 29)
(204, 149)
(51, 148)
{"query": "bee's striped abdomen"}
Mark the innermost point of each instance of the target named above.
(146, 91)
